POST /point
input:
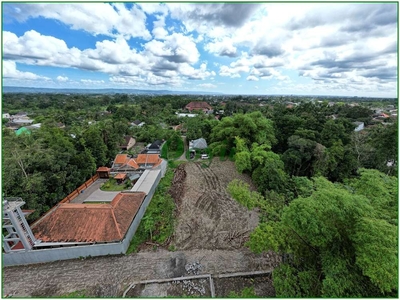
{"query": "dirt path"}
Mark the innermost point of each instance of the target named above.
(183, 156)
(62, 277)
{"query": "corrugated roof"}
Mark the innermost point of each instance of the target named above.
(90, 222)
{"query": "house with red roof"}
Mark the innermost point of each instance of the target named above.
(199, 106)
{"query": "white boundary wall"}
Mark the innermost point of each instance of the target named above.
(53, 254)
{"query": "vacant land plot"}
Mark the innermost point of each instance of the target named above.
(208, 218)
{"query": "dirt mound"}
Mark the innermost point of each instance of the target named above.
(178, 188)
(208, 217)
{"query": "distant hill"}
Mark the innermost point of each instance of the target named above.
(17, 89)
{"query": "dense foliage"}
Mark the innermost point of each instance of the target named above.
(326, 193)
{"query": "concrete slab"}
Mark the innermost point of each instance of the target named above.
(94, 194)
(101, 196)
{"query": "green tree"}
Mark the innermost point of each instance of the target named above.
(252, 128)
(339, 242)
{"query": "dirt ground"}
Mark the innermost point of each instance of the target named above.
(262, 285)
(109, 276)
(208, 217)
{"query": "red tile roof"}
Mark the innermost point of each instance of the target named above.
(147, 159)
(132, 164)
(103, 169)
(198, 105)
(120, 176)
(90, 222)
(121, 159)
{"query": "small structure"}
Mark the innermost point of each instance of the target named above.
(129, 143)
(22, 130)
(120, 177)
(186, 115)
(137, 123)
(198, 144)
(198, 105)
(103, 172)
(359, 126)
(154, 148)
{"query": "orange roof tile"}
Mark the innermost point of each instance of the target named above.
(121, 158)
(132, 163)
(103, 169)
(90, 222)
(120, 176)
(148, 159)
(198, 105)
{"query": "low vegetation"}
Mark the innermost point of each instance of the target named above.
(157, 225)
(247, 292)
(113, 185)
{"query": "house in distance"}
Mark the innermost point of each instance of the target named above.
(199, 106)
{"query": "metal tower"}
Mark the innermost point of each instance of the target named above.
(19, 236)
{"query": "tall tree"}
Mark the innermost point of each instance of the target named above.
(339, 242)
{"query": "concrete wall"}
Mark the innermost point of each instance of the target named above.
(47, 255)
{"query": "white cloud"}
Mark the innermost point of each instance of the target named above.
(159, 31)
(222, 48)
(10, 72)
(176, 48)
(90, 81)
(252, 78)
(207, 85)
(95, 18)
(62, 78)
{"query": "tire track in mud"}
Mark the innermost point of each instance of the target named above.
(210, 218)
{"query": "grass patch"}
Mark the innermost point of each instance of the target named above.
(247, 292)
(157, 224)
(174, 164)
(173, 148)
(112, 185)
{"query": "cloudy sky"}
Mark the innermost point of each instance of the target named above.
(278, 48)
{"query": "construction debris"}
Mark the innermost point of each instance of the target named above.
(194, 268)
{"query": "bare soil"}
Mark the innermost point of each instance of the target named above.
(262, 285)
(208, 218)
(181, 288)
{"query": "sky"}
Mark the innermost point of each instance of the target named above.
(338, 49)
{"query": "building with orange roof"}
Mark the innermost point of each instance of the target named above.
(198, 105)
(123, 163)
(73, 230)
(89, 223)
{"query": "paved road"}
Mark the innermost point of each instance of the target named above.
(67, 276)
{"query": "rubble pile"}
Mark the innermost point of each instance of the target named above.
(194, 268)
(189, 287)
